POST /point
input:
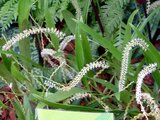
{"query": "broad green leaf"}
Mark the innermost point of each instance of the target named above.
(146, 20)
(79, 49)
(106, 83)
(6, 74)
(86, 10)
(49, 17)
(51, 24)
(66, 107)
(27, 108)
(151, 54)
(125, 96)
(24, 7)
(19, 109)
(23, 57)
(102, 41)
(68, 17)
(127, 35)
(86, 48)
(62, 95)
(2, 105)
(17, 73)
(7, 62)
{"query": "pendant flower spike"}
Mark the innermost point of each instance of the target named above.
(27, 33)
(140, 97)
(125, 59)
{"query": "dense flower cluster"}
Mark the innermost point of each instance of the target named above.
(50, 52)
(53, 84)
(125, 59)
(154, 110)
(148, 5)
(90, 66)
(65, 42)
(145, 71)
(29, 32)
(152, 104)
(78, 77)
(152, 6)
(85, 95)
(78, 96)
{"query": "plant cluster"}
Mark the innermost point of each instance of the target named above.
(82, 55)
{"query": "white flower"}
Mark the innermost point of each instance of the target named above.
(145, 71)
(125, 59)
(29, 32)
(152, 6)
(148, 5)
(50, 52)
(152, 104)
(45, 52)
(79, 76)
(78, 96)
(65, 42)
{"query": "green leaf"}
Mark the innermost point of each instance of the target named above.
(17, 73)
(68, 17)
(102, 41)
(62, 95)
(86, 48)
(66, 107)
(50, 23)
(49, 17)
(23, 58)
(19, 110)
(6, 74)
(125, 96)
(151, 54)
(107, 84)
(146, 20)
(7, 62)
(28, 109)
(23, 11)
(86, 10)
(2, 105)
(24, 7)
(127, 35)
(79, 49)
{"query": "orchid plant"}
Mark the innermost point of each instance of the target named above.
(79, 67)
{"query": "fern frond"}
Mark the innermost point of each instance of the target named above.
(8, 13)
(112, 14)
(118, 37)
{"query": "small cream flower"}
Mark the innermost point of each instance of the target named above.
(65, 42)
(77, 79)
(50, 52)
(152, 104)
(152, 6)
(145, 71)
(29, 32)
(125, 59)
(84, 95)
(148, 3)
(155, 111)
(78, 96)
